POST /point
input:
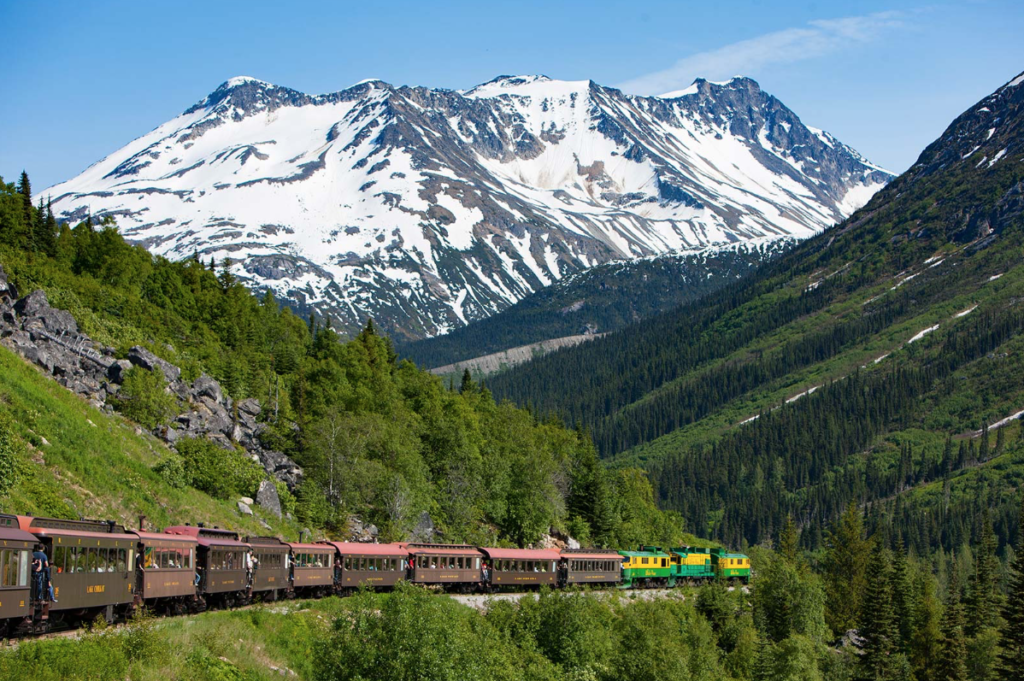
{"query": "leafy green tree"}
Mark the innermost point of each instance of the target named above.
(787, 601)
(1011, 657)
(219, 472)
(845, 570)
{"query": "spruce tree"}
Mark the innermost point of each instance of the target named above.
(984, 592)
(789, 541)
(845, 565)
(1011, 657)
(902, 597)
(953, 654)
(878, 620)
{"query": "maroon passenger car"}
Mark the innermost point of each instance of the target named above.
(15, 579)
(455, 566)
(167, 571)
(221, 563)
(312, 568)
(271, 579)
(521, 567)
(374, 565)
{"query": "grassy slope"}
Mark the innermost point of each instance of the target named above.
(95, 465)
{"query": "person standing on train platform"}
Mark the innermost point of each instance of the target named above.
(40, 571)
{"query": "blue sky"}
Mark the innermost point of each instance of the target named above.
(81, 79)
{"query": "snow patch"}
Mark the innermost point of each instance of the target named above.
(964, 313)
(922, 334)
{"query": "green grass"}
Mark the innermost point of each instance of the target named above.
(75, 460)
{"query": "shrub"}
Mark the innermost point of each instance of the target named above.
(219, 472)
(172, 470)
(144, 398)
(8, 456)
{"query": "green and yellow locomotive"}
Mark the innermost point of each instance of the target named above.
(647, 566)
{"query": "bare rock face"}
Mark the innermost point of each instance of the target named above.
(205, 386)
(424, 531)
(268, 499)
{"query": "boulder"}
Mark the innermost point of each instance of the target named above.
(268, 499)
(424, 530)
(247, 501)
(141, 357)
(54, 322)
(244, 509)
(205, 386)
(32, 304)
(117, 370)
(250, 407)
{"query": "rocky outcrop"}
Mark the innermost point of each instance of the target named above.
(51, 339)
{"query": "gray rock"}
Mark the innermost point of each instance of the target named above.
(424, 530)
(140, 356)
(32, 304)
(268, 499)
(247, 501)
(205, 386)
(55, 322)
(117, 370)
(244, 509)
(250, 407)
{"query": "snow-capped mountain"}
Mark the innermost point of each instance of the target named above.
(427, 209)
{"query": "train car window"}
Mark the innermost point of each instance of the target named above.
(122, 560)
(5, 560)
(60, 554)
(147, 559)
(348, 563)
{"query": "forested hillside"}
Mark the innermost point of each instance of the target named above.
(379, 439)
(877, 363)
(597, 300)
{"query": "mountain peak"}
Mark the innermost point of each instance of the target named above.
(239, 81)
(704, 85)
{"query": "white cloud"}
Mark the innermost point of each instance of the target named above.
(748, 57)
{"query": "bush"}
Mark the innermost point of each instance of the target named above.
(221, 473)
(144, 398)
(172, 470)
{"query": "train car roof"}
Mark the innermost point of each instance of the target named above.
(13, 534)
(206, 536)
(309, 547)
(520, 554)
(160, 536)
(591, 555)
(364, 549)
(442, 549)
(56, 532)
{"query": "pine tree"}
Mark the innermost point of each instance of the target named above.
(902, 597)
(467, 384)
(789, 541)
(1000, 440)
(984, 592)
(953, 654)
(1011, 658)
(845, 568)
(878, 620)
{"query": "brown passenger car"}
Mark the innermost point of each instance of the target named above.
(453, 565)
(221, 561)
(591, 566)
(521, 567)
(271, 579)
(15, 579)
(167, 570)
(375, 565)
(312, 568)
(91, 566)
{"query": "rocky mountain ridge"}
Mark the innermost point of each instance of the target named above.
(428, 209)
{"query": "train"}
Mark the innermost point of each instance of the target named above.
(102, 569)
